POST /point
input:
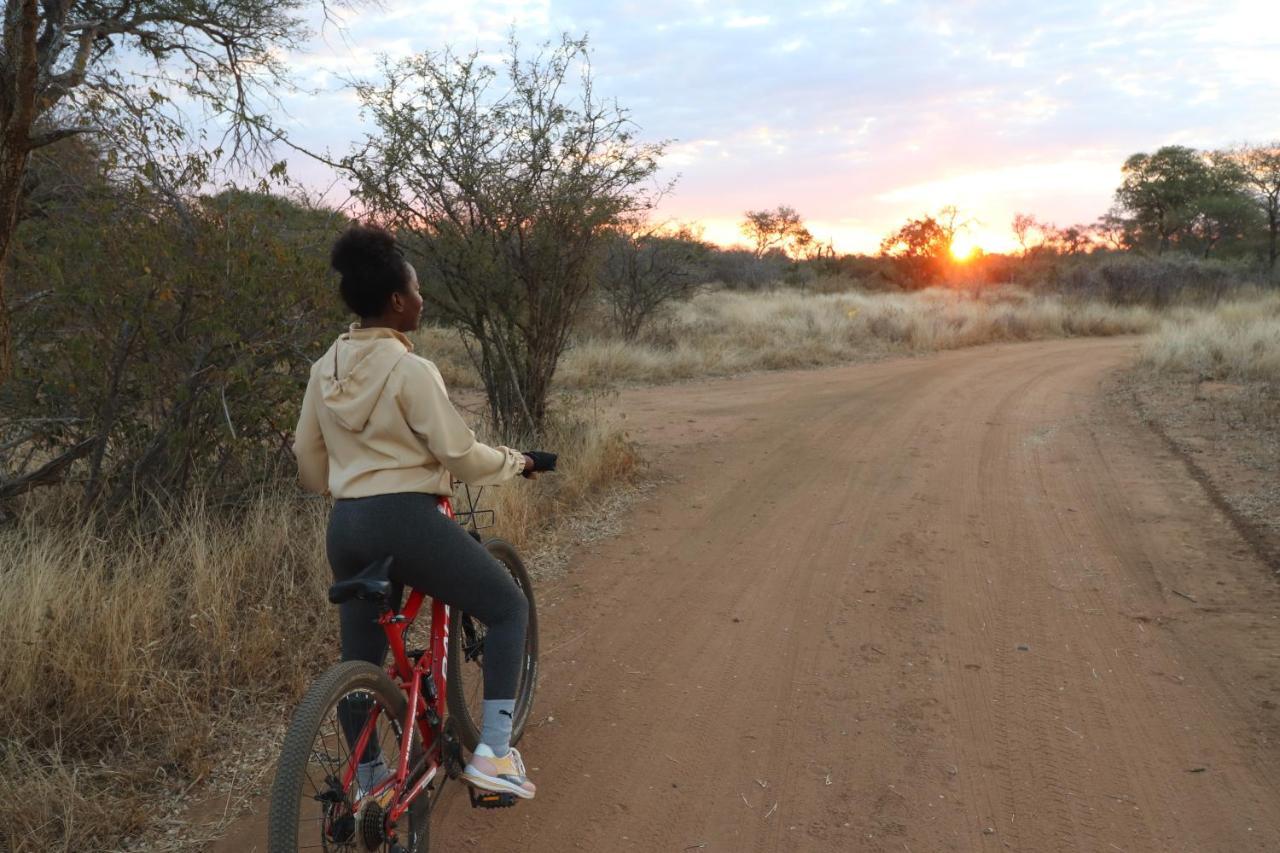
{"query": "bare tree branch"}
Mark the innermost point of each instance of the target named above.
(48, 474)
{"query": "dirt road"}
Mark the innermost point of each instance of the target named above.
(963, 602)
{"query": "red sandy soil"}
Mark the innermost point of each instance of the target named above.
(956, 603)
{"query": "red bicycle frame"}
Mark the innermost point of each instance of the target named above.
(426, 709)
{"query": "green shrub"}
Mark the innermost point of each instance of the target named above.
(161, 344)
(1130, 279)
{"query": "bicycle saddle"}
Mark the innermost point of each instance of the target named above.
(372, 584)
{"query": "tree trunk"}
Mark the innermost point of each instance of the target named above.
(18, 75)
(110, 409)
(12, 166)
(540, 370)
(1210, 242)
(7, 221)
(630, 321)
(501, 369)
(1274, 216)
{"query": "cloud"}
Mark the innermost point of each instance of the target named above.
(1026, 182)
(738, 22)
(861, 113)
(488, 19)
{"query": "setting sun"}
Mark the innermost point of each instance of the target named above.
(964, 248)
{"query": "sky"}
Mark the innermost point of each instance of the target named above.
(859, 114)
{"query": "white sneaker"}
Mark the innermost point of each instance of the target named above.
(503, 775)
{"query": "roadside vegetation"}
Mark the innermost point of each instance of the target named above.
(831, 319)
(140, 656)
(725, 332)
(1209, 382)
(1237, 341)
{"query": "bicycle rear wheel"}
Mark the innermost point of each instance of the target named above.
(466, 659)
(310, 808)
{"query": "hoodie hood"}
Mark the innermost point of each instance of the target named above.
(355, 370)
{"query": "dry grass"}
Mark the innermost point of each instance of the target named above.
(723, 333)
(131, 662)
(592, 461)
(1235, 341)
(1210, 380)
(728, 332)
(126, 656)
(444, 348)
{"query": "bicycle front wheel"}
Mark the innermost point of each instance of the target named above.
(466, 659)
(313, 804)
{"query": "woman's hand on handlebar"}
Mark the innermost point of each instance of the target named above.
(537, 462)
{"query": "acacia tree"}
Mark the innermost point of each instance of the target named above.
(780, 228)
(920, 249)
(1259, 167)
(1186, 199)
(1159, 192)
(1073, 239)
(1025, 225)
(949, 220)
(62, 73)
(646, 268)
(1111, 230)
(501, 184)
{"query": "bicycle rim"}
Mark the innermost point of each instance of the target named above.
(312, 805)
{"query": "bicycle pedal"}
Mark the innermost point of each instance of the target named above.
(481, 799)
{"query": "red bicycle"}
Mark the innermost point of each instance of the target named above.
(417, 715)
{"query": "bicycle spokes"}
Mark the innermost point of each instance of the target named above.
(472, 639)
(342, 815)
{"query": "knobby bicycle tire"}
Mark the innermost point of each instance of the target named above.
(462, 674)
(296, 753)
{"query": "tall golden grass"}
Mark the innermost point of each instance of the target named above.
(128, 657)
(1234, 341)
(135, 660)
(728, 332)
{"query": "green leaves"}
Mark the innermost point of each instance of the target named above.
(178, 339)
(1181, 198)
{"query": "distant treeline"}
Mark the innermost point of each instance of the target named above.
(1222, 204)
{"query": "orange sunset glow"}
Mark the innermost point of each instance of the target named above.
(963, 248)
(989, 233)
(766, 108)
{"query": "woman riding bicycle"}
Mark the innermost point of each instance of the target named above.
(379, 434)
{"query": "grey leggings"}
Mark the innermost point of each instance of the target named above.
(431, 553)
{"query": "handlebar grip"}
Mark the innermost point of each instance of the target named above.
(542, 461)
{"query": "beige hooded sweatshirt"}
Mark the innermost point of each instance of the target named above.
(376, 420)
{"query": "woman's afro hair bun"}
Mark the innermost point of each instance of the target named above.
(372, 268)
(363, 246)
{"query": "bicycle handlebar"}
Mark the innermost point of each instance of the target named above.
(542, 461)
